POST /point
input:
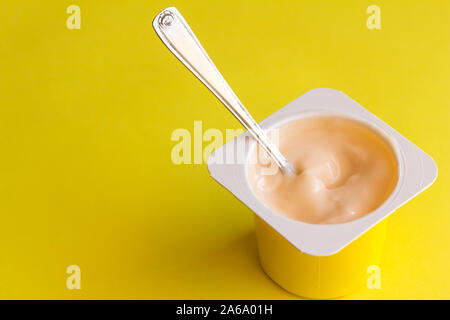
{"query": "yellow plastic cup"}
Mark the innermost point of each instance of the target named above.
(322, 261)
(319, 277)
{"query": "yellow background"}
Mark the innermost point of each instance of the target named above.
(86, 117)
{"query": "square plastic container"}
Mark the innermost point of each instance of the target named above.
(313, 260)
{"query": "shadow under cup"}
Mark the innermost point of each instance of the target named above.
(325, 276)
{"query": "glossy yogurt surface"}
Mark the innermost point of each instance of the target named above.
(345, 171)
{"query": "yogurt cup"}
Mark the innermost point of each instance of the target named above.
(320, 260)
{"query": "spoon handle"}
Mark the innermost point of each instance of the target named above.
(181, 41)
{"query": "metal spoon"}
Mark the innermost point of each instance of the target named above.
(181, 41)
